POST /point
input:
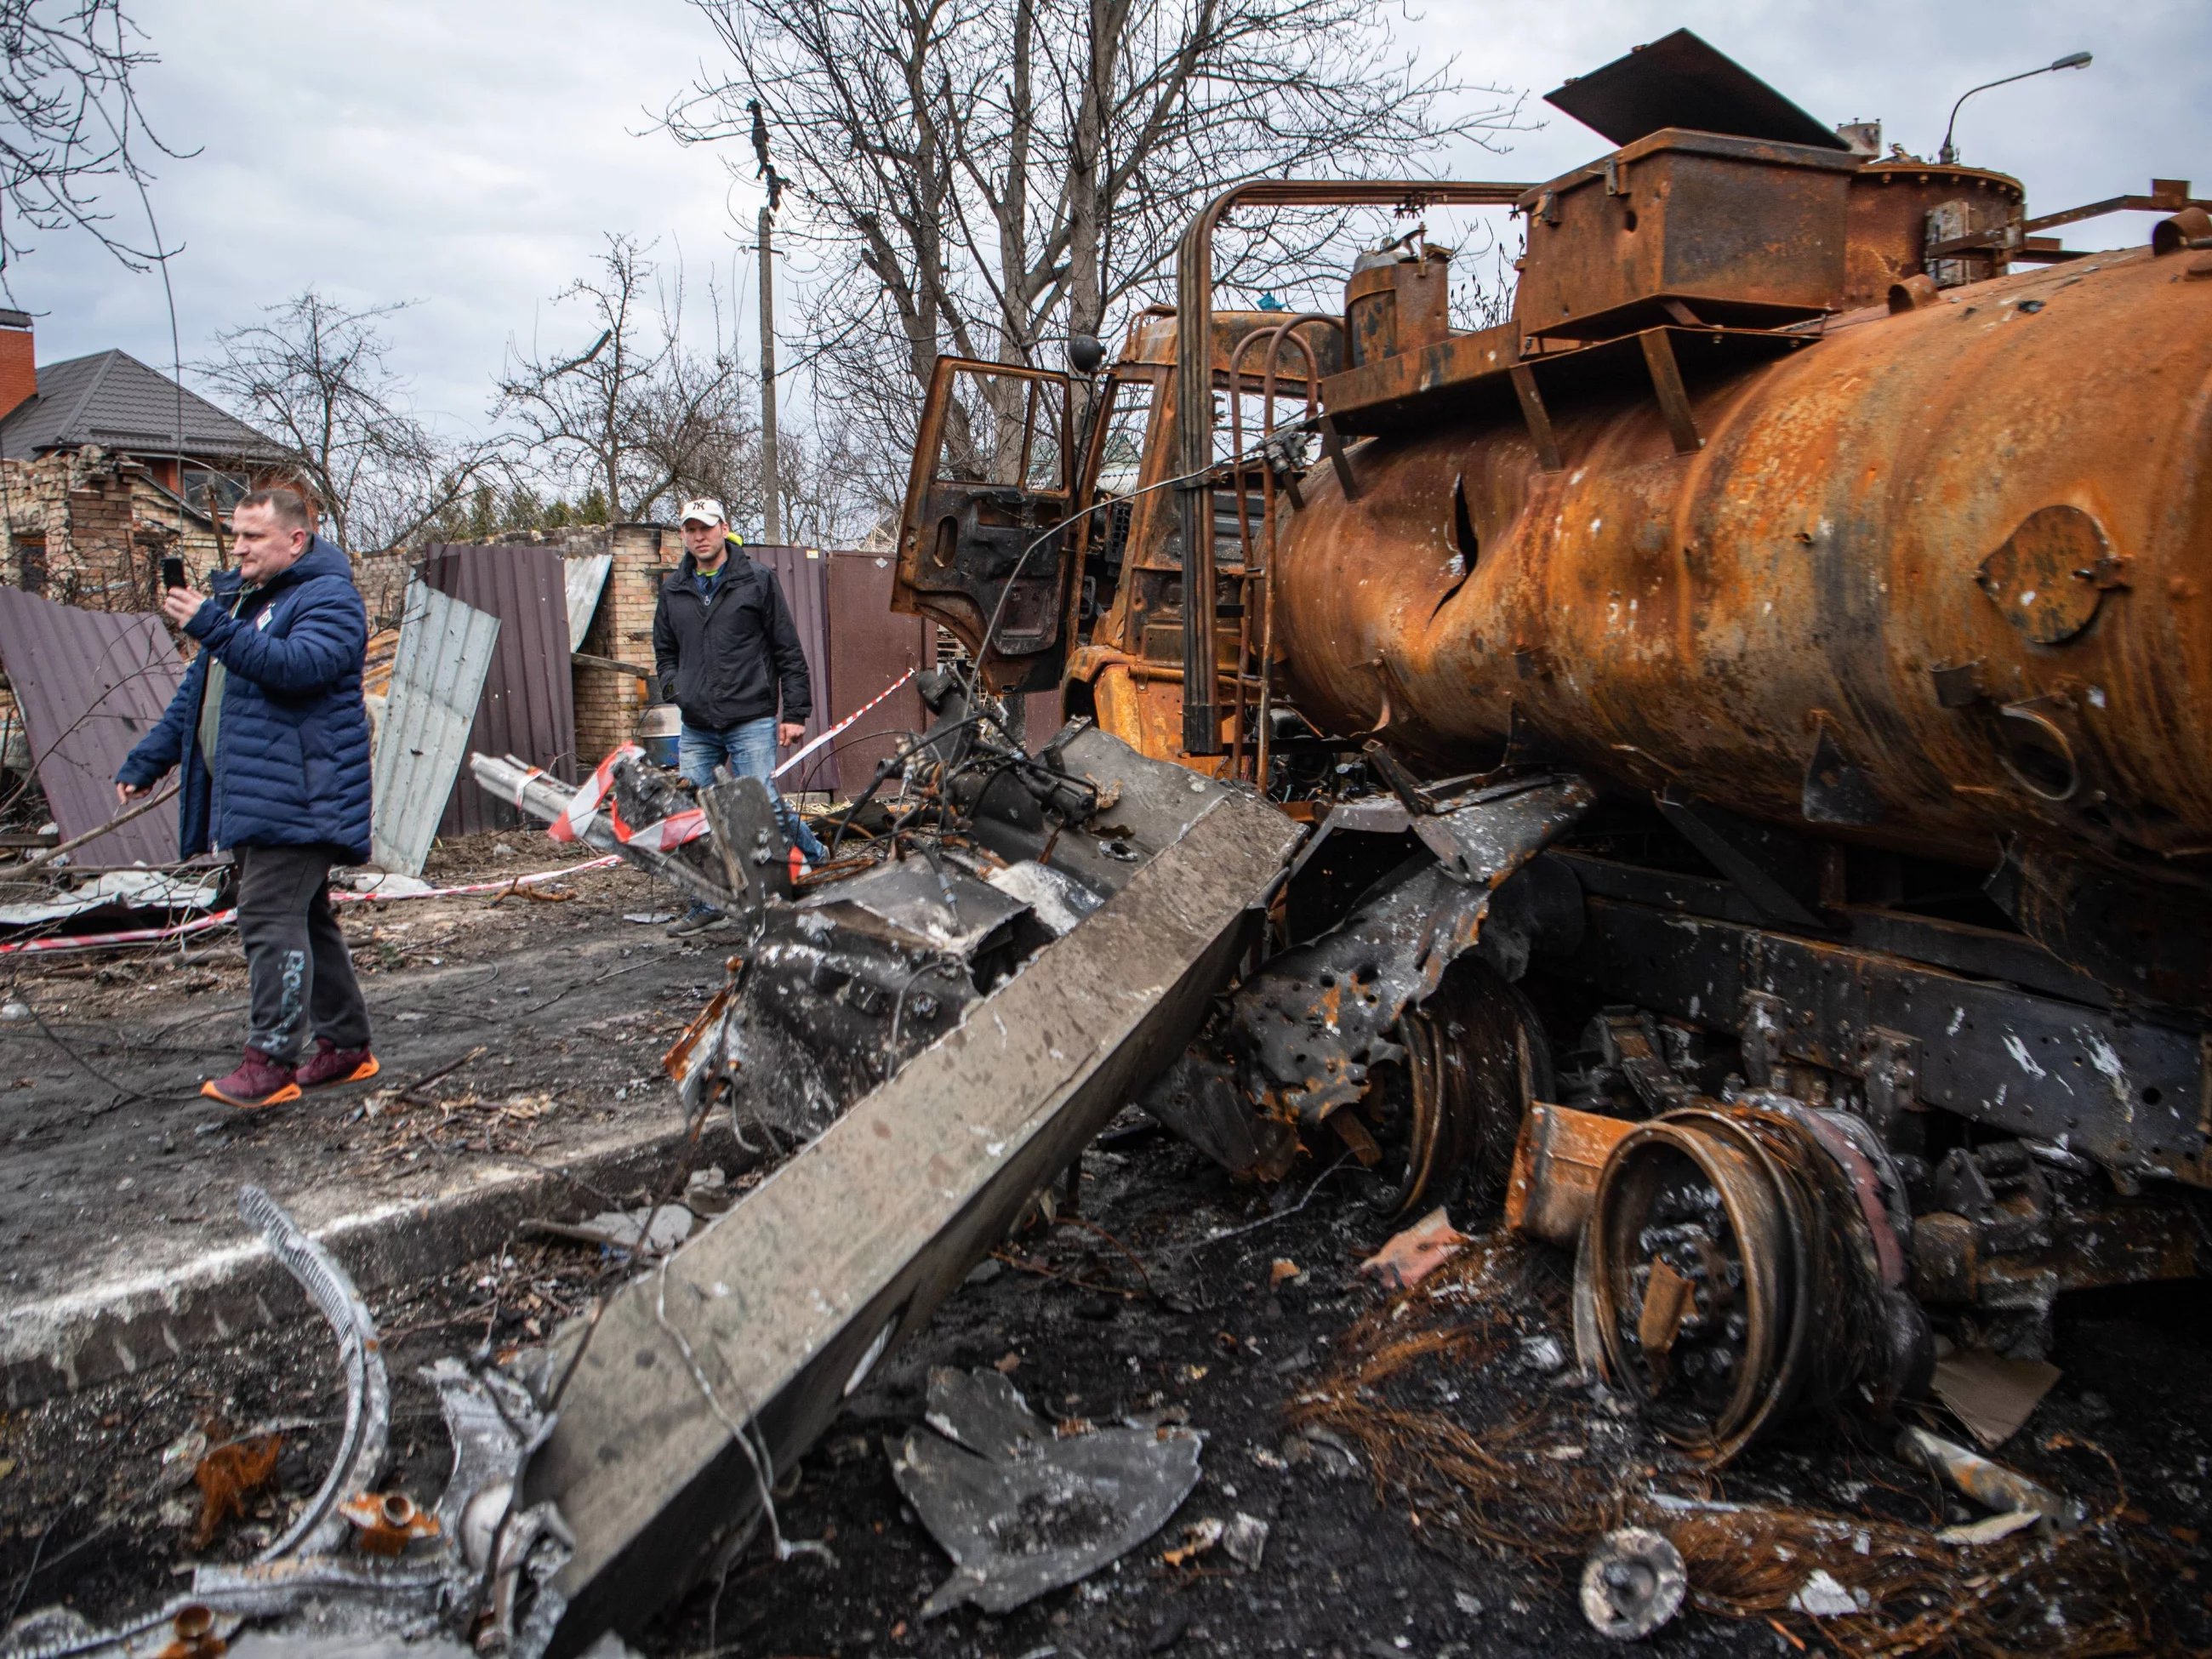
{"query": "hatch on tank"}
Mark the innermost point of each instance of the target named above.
(1726, 205)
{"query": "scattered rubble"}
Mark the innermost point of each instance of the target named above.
(1806, 1124)
(1414, 1254)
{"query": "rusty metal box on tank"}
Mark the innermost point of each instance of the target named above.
(1742, 232)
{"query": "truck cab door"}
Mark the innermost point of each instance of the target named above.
(991, 479)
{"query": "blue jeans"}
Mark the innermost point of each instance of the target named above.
(749, 750)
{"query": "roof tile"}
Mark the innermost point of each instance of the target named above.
(111, 399)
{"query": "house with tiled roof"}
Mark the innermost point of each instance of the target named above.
(107, 467)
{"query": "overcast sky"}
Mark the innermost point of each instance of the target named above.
(470, 156)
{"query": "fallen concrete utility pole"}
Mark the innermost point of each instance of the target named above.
(701, 1380)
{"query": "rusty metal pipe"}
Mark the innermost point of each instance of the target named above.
(1271, 526)
(1273, 341)
(1965, 545)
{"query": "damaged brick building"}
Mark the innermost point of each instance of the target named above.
(105, 467)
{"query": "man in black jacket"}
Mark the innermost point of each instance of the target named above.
(725, 645)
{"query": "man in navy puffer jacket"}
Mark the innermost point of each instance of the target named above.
(271, 733)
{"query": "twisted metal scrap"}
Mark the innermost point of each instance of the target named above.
(362, 1444)
(485, 1552)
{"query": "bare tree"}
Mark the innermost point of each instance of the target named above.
(69, 121)
(828, 497)
(637, 413)
(985, 177)
(316, 377)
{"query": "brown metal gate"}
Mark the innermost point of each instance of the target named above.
(528, 709)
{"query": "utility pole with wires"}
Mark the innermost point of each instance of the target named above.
(771, 473)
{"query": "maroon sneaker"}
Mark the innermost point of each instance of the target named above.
(258, 1081)
(331, 1064)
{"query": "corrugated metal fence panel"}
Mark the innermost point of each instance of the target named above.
(586, 576)
(90, 684)
(445, 649)
(803, 573)
(529, 707)
(870, 645)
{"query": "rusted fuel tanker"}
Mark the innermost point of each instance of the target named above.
(1938, 585)
(1753, 705)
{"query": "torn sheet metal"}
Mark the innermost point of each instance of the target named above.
(820, 1014)
(1305, 1034)
(528, 707)
(1022, 1511)
(445, 649)
(830, 994)
(1310, 1025)
(768, 1317)
(585, 577)
(118, 890)
(1056, 898)
(941, 907)
(90, 684)
(1412, 1256)
(1993, 1396)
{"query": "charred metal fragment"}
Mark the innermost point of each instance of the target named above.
(1022, 1511)
(749, 839)
(1198, 1098)
(761, 1321)
(2008, 1228)
(2153, 944)
(478, 1569)
(368, 1392)
(2121, 1090)
(820, 1009)
(1837, 792)
(1305, 1034)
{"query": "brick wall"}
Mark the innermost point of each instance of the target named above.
(88, 528)
(608, 703)
(382, 579)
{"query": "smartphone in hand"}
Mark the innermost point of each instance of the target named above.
(172, 574)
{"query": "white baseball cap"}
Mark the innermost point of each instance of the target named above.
(705, 510)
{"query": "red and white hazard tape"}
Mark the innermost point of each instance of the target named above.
(672, 831)
(815, 742)
(31, 947)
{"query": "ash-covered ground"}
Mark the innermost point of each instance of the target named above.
(547, 1015)
(1429, 1473)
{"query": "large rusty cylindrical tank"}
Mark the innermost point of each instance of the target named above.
(1940, 581)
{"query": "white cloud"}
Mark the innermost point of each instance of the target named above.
(2074, 137)
(470, 156)
(465, 157)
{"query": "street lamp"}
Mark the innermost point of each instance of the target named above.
(1949, 156)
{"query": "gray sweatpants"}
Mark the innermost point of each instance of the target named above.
(299, 972)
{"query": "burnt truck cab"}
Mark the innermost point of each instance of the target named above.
(1043, 521)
